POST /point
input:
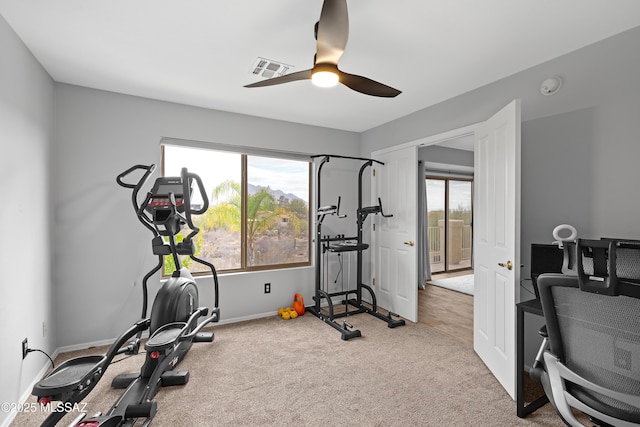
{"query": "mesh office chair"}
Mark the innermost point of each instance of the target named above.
(592, 362)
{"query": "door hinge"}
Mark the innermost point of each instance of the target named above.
(373, 171)
(374, 227)
(373, 281)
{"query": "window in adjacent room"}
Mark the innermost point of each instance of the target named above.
(258, 216)
(450, 214)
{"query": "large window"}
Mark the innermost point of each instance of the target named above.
(258, 216)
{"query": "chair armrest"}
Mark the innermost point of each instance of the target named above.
(558, 373)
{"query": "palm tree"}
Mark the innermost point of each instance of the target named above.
(227, 212)
(261, 216)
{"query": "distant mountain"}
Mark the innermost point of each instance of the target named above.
(253, 189)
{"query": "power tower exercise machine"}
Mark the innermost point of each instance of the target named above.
(340, 246)
(175, 322)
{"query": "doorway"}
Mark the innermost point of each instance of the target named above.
(496, 166)
(449, 223)
(448, 165)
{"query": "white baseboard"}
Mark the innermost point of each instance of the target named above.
(27, 393)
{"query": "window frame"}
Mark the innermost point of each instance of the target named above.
(244, 153)
(446, 178)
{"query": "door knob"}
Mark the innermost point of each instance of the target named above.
(410, 243)
(508, 264)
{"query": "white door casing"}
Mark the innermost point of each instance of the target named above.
(496, 251)
(394, 253)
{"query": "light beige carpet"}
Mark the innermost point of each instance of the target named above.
(272, 372)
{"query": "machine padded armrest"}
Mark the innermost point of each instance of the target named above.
(329, 208)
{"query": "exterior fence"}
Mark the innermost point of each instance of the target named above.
(460, 245)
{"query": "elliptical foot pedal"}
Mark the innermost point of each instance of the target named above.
(204, 337)
(141, 410)
(123, 380)
(170, 378)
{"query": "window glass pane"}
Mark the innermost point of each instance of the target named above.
(435, 213)
(277, 220)
(459, 227)
(219, 240)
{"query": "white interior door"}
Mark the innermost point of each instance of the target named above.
(394, 251)
(497, 242)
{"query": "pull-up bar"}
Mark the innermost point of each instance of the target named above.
(328, 156)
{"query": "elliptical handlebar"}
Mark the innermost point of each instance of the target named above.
(187, 178)
(136, 189)
(186, 184)
(149, 170)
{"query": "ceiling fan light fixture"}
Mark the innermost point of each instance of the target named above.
(325, 75)
(324, 78)
(331, 33)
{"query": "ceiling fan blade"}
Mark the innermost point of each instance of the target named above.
(367, 86)
(299, 75)
(332, 31)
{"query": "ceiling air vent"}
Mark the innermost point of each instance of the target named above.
(267, 68)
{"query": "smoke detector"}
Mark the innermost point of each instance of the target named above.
(551, 85)
(268, 69)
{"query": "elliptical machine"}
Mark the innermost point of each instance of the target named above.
(174, 325)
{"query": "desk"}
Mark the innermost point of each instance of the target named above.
(533, 307)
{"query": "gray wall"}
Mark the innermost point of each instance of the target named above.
(557, 177)
(580, 147)
(446, 155)
(26, 133)
(603, 74)
(100, 134)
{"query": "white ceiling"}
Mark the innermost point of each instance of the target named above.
(200, 52)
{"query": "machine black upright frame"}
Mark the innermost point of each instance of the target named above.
(340, 244)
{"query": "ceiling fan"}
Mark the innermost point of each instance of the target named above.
(332, 32)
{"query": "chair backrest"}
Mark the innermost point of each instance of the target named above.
(626, 259)
(595, 331)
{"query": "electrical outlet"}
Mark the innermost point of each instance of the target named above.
(267, 288)
(25, 348)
